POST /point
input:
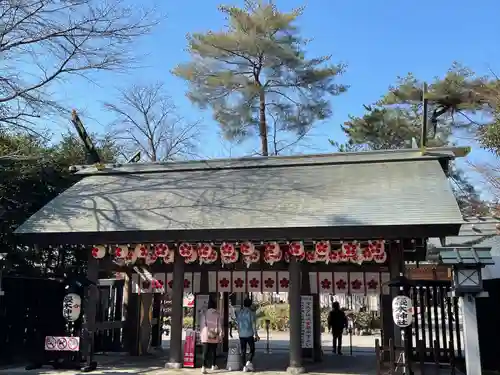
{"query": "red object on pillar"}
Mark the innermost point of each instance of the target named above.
(189, 346)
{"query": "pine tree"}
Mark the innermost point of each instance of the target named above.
(255, 74)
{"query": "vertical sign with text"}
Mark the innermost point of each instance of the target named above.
(189, 348)
(306, 312)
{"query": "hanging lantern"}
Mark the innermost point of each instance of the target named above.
(272, 248)
(229, 258)
(227, 250)
(212, 258)
(271, 258)
(186, 250)
(252, 258)
(121, 251)
(356, 258)
(367, 254)
(247, 248)
(192, 258)
(322, 248)
(72, 307)
(169, 257)
(350, 249)
(323, 258)
(131, 257)
(204, 251)
(142, 251)
(296, 248)
(380, 258)
(161, 250)
(99, 252)
(334, 256)
(311, 256)
(376, 246)
(151, 259)
(343, 257)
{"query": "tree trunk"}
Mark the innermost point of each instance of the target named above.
(263, 124)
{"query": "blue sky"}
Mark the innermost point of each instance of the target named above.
(377, 39)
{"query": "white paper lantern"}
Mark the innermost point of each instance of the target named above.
(247, 248)
(121, 251)
(72, 307)
(142, 251)
(131, 257)
(98, 252)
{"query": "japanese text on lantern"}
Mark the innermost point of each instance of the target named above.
(402, 311)
(306, 306)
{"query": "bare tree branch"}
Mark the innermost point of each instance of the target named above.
(490, 174)
(43, 42)
(147, 120)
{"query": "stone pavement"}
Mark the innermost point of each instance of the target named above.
(361, 363)
(265, 364)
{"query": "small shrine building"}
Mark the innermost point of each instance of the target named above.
(331, 223)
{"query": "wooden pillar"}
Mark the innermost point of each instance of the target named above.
(175, 359)
(295, 366)
(92, 297)
(131, 317)
(225, 322)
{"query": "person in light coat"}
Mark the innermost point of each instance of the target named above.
(210, 335)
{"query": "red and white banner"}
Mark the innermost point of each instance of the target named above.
(169, 282)
(254, 281)
(325, 281)
(188, 282)
(158, 283)
(224, 281)
(372, 280)
(189, 348)
(283, 281)
(341, 283)
(239, 281)
(269, 281)
(357, 283)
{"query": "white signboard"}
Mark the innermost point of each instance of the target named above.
(306, 312)
(72, 306)
(402, 311)
(62, 344)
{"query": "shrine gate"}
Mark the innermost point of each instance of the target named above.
(336, 223)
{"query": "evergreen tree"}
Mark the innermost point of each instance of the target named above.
(255, 74)
(396, 119)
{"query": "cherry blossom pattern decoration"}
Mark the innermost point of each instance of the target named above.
(161, 250)
(250, 254)
(142, 251)
(131, 257)
(322, 250)
(206, 253)
(228, 253)
(121, 251)
(296, 248)
(272, 253)
(98, 251)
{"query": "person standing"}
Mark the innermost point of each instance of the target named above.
(247, 329)
(210, 336)
(337, 322)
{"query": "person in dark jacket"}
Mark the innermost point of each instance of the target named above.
(337, 322)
